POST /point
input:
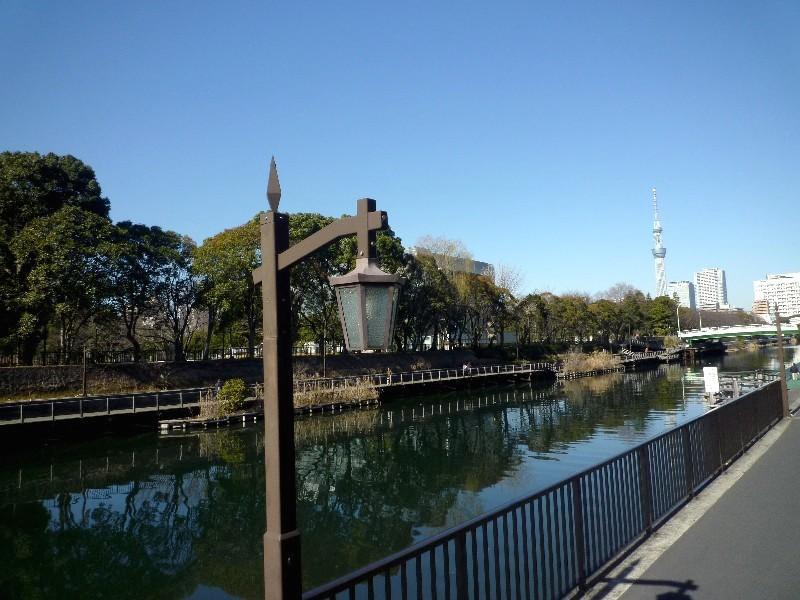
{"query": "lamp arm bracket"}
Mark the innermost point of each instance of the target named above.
(375, 221)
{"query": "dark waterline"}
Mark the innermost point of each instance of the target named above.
(182, 515)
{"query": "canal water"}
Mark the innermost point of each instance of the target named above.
(182, 515)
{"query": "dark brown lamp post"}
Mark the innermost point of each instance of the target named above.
(781, 364)
(368, 300)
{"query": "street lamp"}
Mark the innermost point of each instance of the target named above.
(368, 301)
(781, 364)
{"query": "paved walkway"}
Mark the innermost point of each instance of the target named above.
(747, 545)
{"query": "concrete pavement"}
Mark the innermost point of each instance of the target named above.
(745, 545)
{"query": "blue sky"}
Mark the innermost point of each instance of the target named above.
(531, 131)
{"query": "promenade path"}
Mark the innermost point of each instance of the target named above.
(746, 545)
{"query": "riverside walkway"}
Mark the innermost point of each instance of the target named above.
(746, 545)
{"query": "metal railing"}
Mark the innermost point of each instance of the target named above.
(59, 409)
(554, 541)
(628, 355)
(422, 376)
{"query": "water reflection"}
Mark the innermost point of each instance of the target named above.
(183, 515)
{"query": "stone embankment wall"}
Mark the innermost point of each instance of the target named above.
(38, 382)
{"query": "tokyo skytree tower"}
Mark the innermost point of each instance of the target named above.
(659, 251)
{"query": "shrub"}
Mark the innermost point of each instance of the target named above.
(231, 396)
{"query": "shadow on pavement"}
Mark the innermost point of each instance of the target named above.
(679, 593)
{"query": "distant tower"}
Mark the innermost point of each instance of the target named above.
(659, 252)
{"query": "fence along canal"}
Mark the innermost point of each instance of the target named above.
(35, 411)
(553, 542)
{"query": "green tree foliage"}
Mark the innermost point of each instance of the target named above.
(574, 318)
(424, 301)
(225, 263)
(662, 316)
(64, 274)
(606, 318)
(314, 315)
(176, 298)
(140, 259)
(33, 187)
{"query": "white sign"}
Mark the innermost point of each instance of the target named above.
(711, 378)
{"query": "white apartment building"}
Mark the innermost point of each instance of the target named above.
(711, 290)
(683, 291)
(782, 289)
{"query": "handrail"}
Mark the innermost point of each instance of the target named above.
(385, 379)
(601, 509)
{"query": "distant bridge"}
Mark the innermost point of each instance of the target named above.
(736, 331)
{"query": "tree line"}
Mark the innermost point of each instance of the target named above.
(70, 277)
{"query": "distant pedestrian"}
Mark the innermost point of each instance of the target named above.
(795, 371)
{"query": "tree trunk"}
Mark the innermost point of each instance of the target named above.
(212, 317)
(130, 335)
(178, 353)
(27, 350)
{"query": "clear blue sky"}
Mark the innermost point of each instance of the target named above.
(532, 131)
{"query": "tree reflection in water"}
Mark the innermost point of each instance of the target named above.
(158, 516)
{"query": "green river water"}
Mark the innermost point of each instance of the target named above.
(147, 515)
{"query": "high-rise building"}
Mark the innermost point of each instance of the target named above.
(683, 291)
(762, 311)
(782, 289)
(659, 251)
(711, 290)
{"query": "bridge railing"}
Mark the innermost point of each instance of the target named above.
(555, 541)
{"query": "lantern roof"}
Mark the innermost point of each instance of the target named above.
(366, 271)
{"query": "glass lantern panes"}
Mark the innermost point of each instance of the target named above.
(350, 306)
(367, 305)
(377, 308)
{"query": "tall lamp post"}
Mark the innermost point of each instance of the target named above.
(781, 365)
(367, 304)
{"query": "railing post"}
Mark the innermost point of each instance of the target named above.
(133, 403)
(21, 417)
(577, 516)
(180, 396)
(52, 411)
(157, 405)
(108, 409)
(645, 489)
(688, 461)
(81, 406)
(462, 590)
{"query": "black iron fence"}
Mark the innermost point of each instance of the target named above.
(555, 541)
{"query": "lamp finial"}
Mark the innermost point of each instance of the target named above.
(273, 187)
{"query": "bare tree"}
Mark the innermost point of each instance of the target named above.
(617, 292)
(508, 278)
(451, 255)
